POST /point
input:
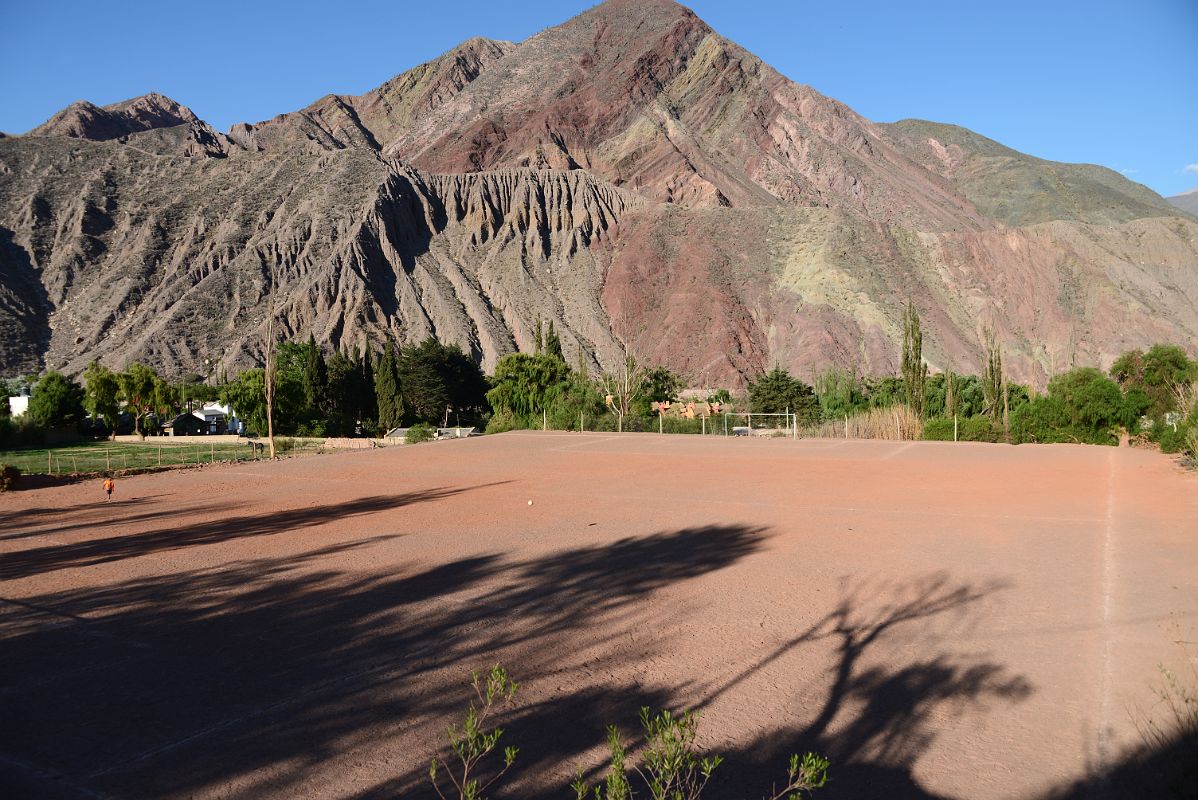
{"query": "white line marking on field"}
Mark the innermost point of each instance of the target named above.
(897, 452)
(1108, 567)
(586, 443)
(50, 776)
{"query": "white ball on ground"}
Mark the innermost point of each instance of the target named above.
(530, 502)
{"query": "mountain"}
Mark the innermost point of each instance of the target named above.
(1186, 201)
(629, 174)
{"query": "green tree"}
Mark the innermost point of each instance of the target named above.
(885, 392)
(440, 381)
(840, 393)
(56, 402)
(102, 396)
(992, 378)
(661, 386)
(290, 402)
(344, 375)
(368, 408)
(1156, 375)
(165, 400)
(970, 396)
(1092, 401)
(387, 389)
(524, 385)
(915, 372)
(777, 391)
(1082, 405)
(246, 396)
(553, 343)
(951, 397)
(935, 389)
(316, 380)
(137, 386)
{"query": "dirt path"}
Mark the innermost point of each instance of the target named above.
(967, 621)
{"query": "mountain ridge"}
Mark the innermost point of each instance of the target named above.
(657, 187)
(1186, 201)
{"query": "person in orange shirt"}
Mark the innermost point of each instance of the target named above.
(109, 485)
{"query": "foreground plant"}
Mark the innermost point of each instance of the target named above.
(471, 742)
(804, 774)
(673, 769)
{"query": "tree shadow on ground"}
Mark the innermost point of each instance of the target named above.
(1166, 769)
(256, 674)
(33, 522)
(873, 721)
(48, 558)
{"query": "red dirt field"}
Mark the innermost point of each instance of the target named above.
(964, 621)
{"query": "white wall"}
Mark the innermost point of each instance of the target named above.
(18, 405)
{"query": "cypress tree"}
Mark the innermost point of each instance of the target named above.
(370, 406)
(316, 379)
(915, 372)
(388, 395)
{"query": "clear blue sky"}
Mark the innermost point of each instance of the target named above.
(1112, 82)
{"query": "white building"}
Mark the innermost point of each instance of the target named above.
(20, 404)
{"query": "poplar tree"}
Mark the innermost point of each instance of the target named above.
(552, 346)
(915, 372)
(994, 385)
(950, 394)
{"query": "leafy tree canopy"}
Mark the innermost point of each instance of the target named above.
(777, 390)
(526, 385)
(56, 402)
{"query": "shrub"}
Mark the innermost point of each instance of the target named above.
(471, 742)
(422, 432)
(969, 429)
(979, 429)
(21, 431)
(938, 430)
(8, 477)
(683, 425)
(284, 444)
(673, 769)
(1171, 438)
(1042, 420)
(504, 421)
(1092, 403)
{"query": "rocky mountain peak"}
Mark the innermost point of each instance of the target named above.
(85, 120)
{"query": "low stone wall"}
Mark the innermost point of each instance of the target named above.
(355, 444)
(229, 438)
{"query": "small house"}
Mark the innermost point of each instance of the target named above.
(187, 424)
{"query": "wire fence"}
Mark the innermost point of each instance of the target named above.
(98, 458)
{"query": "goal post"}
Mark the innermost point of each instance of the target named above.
(752, 423)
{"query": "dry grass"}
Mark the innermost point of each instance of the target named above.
(897, 423)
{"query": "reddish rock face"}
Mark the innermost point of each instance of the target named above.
(629, 174)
